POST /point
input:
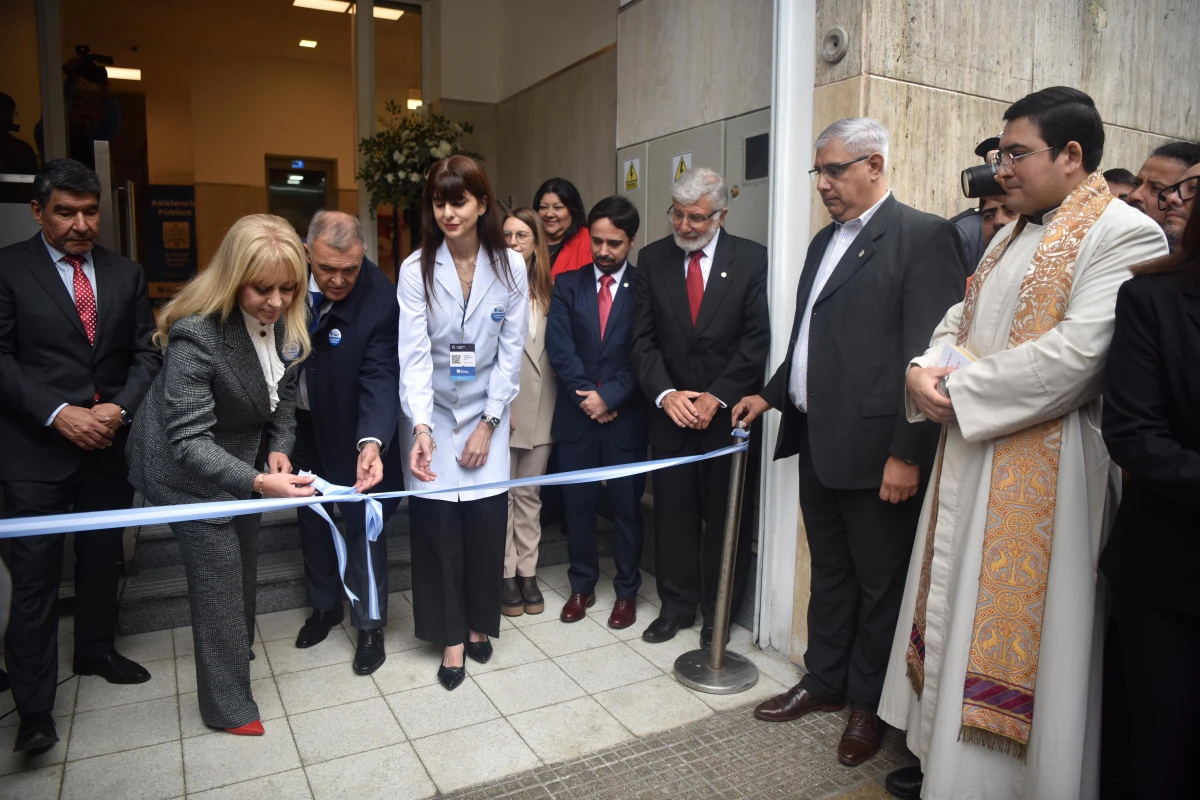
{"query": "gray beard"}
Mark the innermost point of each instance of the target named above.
(695, 244)
(1173, 239)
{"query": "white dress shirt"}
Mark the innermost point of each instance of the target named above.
(844, 233)
(67, 273)
(262, 336)
(616, 276)
(706, 261)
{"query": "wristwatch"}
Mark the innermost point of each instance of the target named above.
(126, 417)
(493, 422)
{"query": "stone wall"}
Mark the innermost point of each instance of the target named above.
(939, 74)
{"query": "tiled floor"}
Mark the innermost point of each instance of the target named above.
(555, 699)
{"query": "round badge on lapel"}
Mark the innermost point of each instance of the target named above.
(497, 313)
(335, 337)
(291, 352)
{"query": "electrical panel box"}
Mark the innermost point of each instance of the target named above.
(747, 168)
(738, 148)
(631, 183)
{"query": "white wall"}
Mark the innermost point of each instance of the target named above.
(491, 50)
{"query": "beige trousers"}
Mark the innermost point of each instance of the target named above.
(524, 512)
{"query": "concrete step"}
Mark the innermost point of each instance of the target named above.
(157, 547)
(155, 597)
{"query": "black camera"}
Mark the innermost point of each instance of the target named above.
(980, 181)
(91, 65)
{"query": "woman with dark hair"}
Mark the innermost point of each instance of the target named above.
(1151, 426)
(463, 313)
(530, 442)
(558, 204)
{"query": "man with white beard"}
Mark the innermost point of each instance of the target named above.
(700, 340)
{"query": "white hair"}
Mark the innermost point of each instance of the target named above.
(337, 229)
(700, 182)
(862, 136)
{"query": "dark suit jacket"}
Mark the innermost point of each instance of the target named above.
(584, 362)
(1152, 429)
(875, 313)
(353, 388)
(725, 353)
(197, 435)
(46, 359)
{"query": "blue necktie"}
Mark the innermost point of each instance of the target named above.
(316, 299)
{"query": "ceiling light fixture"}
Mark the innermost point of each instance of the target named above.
(382, 12)
(295, 178)
(307, 43)
(123, 73)
(338, 6)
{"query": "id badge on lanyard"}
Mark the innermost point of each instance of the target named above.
(462, 361)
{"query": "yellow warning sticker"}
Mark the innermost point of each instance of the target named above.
(680, 164)
(632, 168)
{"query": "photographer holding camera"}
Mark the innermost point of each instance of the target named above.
(978, 226)
(83, 72)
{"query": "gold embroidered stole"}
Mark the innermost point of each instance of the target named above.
(1006, 637)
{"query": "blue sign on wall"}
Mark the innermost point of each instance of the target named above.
(170, 233)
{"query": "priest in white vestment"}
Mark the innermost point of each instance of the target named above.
(1023, 476)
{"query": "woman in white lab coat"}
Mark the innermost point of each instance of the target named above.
(463, 317)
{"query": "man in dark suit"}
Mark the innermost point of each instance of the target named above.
(600, 417)
(700, 339)
(347, 408)
(75, 362)
(875, 285)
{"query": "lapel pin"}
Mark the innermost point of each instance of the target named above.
(861, 252)
(625, 285)
(722, 274)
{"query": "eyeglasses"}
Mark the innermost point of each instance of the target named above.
(678, 217)
(833, 171)
(520, 236)
(1007, 162)
(1186, 189)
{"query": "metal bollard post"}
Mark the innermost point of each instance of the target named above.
(717, 671)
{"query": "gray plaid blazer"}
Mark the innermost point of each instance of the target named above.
(197, 434)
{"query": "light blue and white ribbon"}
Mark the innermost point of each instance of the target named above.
(186, 512)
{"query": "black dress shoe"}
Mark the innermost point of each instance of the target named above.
(451, 677)
(661, 630)
(37, 733)
(369, 656)
(905, 784)
(479, 651)
(113, 667)
(3, 681)
(316, 627)
(706, 634)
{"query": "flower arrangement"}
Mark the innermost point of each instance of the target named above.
(396, 160)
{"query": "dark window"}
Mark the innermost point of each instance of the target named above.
(758, 155)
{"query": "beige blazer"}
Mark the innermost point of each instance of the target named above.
(533, 409)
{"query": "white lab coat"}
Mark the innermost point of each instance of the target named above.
(496, 322)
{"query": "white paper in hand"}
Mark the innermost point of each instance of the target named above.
(954, 356)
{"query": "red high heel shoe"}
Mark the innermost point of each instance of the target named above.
(249, 729)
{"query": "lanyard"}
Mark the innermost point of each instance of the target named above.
(462, 327)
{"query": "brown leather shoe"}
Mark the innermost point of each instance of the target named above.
(792, 704)
(624, 614)
(576, 608)
(532, 595)
(862, 738)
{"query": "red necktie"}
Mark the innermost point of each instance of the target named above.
(605, 301)
(85, 302)
(695, 285)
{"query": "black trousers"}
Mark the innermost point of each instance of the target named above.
(860, 547)
(1159, 652)
(31, 644)
(324, 583)
(581, 500)
(690, 502)
(457, 566)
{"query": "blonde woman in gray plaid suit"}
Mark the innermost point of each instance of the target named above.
(223, 387)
